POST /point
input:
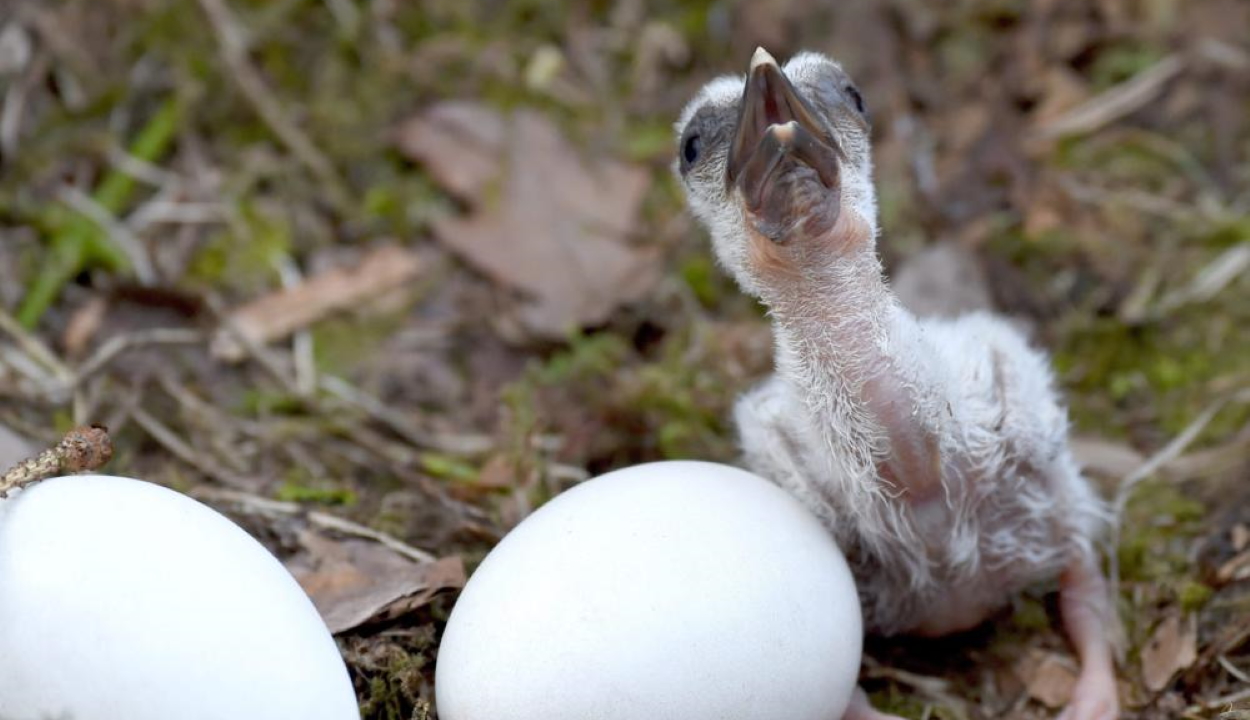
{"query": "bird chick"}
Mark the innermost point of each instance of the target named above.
(934, 450)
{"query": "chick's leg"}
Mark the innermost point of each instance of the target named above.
(1086, 609)
(861, 709)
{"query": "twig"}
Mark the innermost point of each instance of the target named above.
(33, 347)
(160, 210)
(1212, 279)
(82, 449)
(234, 52)
(117, 232)
(179, 448)
(400, 425)
(15, 99)
(1115, 102)
(1221, 701)
(140, 169)
(1233, 669)
(253, 348)
(257, 505)
(302, 350)
(119, 344)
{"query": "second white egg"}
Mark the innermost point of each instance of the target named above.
(675, 590)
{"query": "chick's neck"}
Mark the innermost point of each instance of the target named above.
(857, 360)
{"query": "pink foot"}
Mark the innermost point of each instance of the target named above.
(1086, 611)
(1094, 698)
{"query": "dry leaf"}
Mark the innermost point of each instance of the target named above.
(1173, 648)
(462, 145)
(83, 325)
(281, 313)
(544, 221)
(1048, 677)
(352, 581)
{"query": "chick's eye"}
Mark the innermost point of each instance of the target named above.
(690, 148)
(855, 98)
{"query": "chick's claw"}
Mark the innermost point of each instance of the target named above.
(1094, 698)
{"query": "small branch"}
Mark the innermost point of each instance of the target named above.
(179, 448)
(34, 348)
(119, 344)
(117, 233)
(1114, 103)
(256, 505)
(83, 449)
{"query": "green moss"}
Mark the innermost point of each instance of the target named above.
(294, 491)
(393, 693)
(257, 401)
(1160, 369)
(1193, 595)
(1029, 615)
(1228, 233)
(1159, 520)
(894, 701)
(448, 467)
(703, 279)
(1122, 61)
(587, 357)
(244, 258)
(342, 342)
(649, 140)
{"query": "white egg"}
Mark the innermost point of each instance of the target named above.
(673, 590)
(123, 599)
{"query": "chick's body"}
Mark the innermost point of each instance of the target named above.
(934, 450)
(1002, 507)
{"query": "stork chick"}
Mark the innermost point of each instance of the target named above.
(934, 450)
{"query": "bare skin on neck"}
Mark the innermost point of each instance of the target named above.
(934, 451)
(841, 333)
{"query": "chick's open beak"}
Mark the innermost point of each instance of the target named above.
(774, 119)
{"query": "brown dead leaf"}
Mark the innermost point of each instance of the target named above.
(1173, 648)
(462, 145)
(83, 325)
(281, 313)
(544, 221)
(1049, 677)
(352, 581)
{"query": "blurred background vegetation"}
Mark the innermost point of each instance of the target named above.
(1081, 166)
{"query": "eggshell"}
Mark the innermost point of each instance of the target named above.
(682, 590)
(120, 599)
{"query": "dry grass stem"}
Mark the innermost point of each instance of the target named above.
(254, 504)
